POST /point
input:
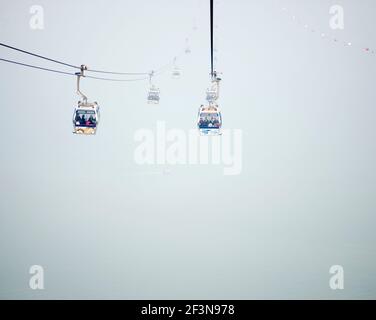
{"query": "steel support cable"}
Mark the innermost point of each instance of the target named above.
(164, 68)
(36, 67)
(67, 64)
(68, 73)
(119, 73)
(211, 36)
(117, 80)
(39, 56)
(79, 67)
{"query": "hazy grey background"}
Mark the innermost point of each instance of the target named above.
(105, 227)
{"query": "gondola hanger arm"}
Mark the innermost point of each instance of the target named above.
(79, 75)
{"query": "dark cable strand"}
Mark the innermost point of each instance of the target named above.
(68, 73)
(39, 56)
(36, 67)
(119, 73)
(71, 65)
(158, 71)
(117, 80)
(211, 36)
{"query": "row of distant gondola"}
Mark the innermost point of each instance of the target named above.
(86, 116)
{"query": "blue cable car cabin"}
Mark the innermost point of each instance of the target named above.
(153, 95)
(209, 120)
(86, 119)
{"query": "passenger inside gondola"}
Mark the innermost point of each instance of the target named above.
(153, 96)
(85, 118)
(209, 120)
(91, 120)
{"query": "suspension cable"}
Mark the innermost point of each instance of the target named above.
(211, 36)
(36, 67)
(39, 56)
(69, 73)
(78, 67)
(119, 73)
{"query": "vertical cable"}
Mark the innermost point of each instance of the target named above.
(211, 35)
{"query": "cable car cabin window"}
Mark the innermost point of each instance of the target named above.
(153, 96)
(86, 118)
(209, 120)
(176, 73)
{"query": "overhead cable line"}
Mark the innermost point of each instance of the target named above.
(119, 73)
(38, 56)
(117, 80)
(164, 68)
(36, 67)
(211, 36)
(68, 73)
(209, 116)
(78, 67)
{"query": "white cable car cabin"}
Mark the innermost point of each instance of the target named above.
(86, 114)
(209, 120)
(86, 118)
(176, 73)
(153, 95)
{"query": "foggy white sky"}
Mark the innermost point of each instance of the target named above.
(104, 227)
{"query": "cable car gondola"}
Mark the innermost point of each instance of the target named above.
(86, 118)
(176, 71)
(209, 117)
(209, 120)
(153, 94)
(86, 115)
(187, 47)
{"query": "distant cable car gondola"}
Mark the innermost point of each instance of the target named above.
(86, 115)
(187, 47)
(209, 120)
(209, 117)
(176, 71)
(153, 94)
